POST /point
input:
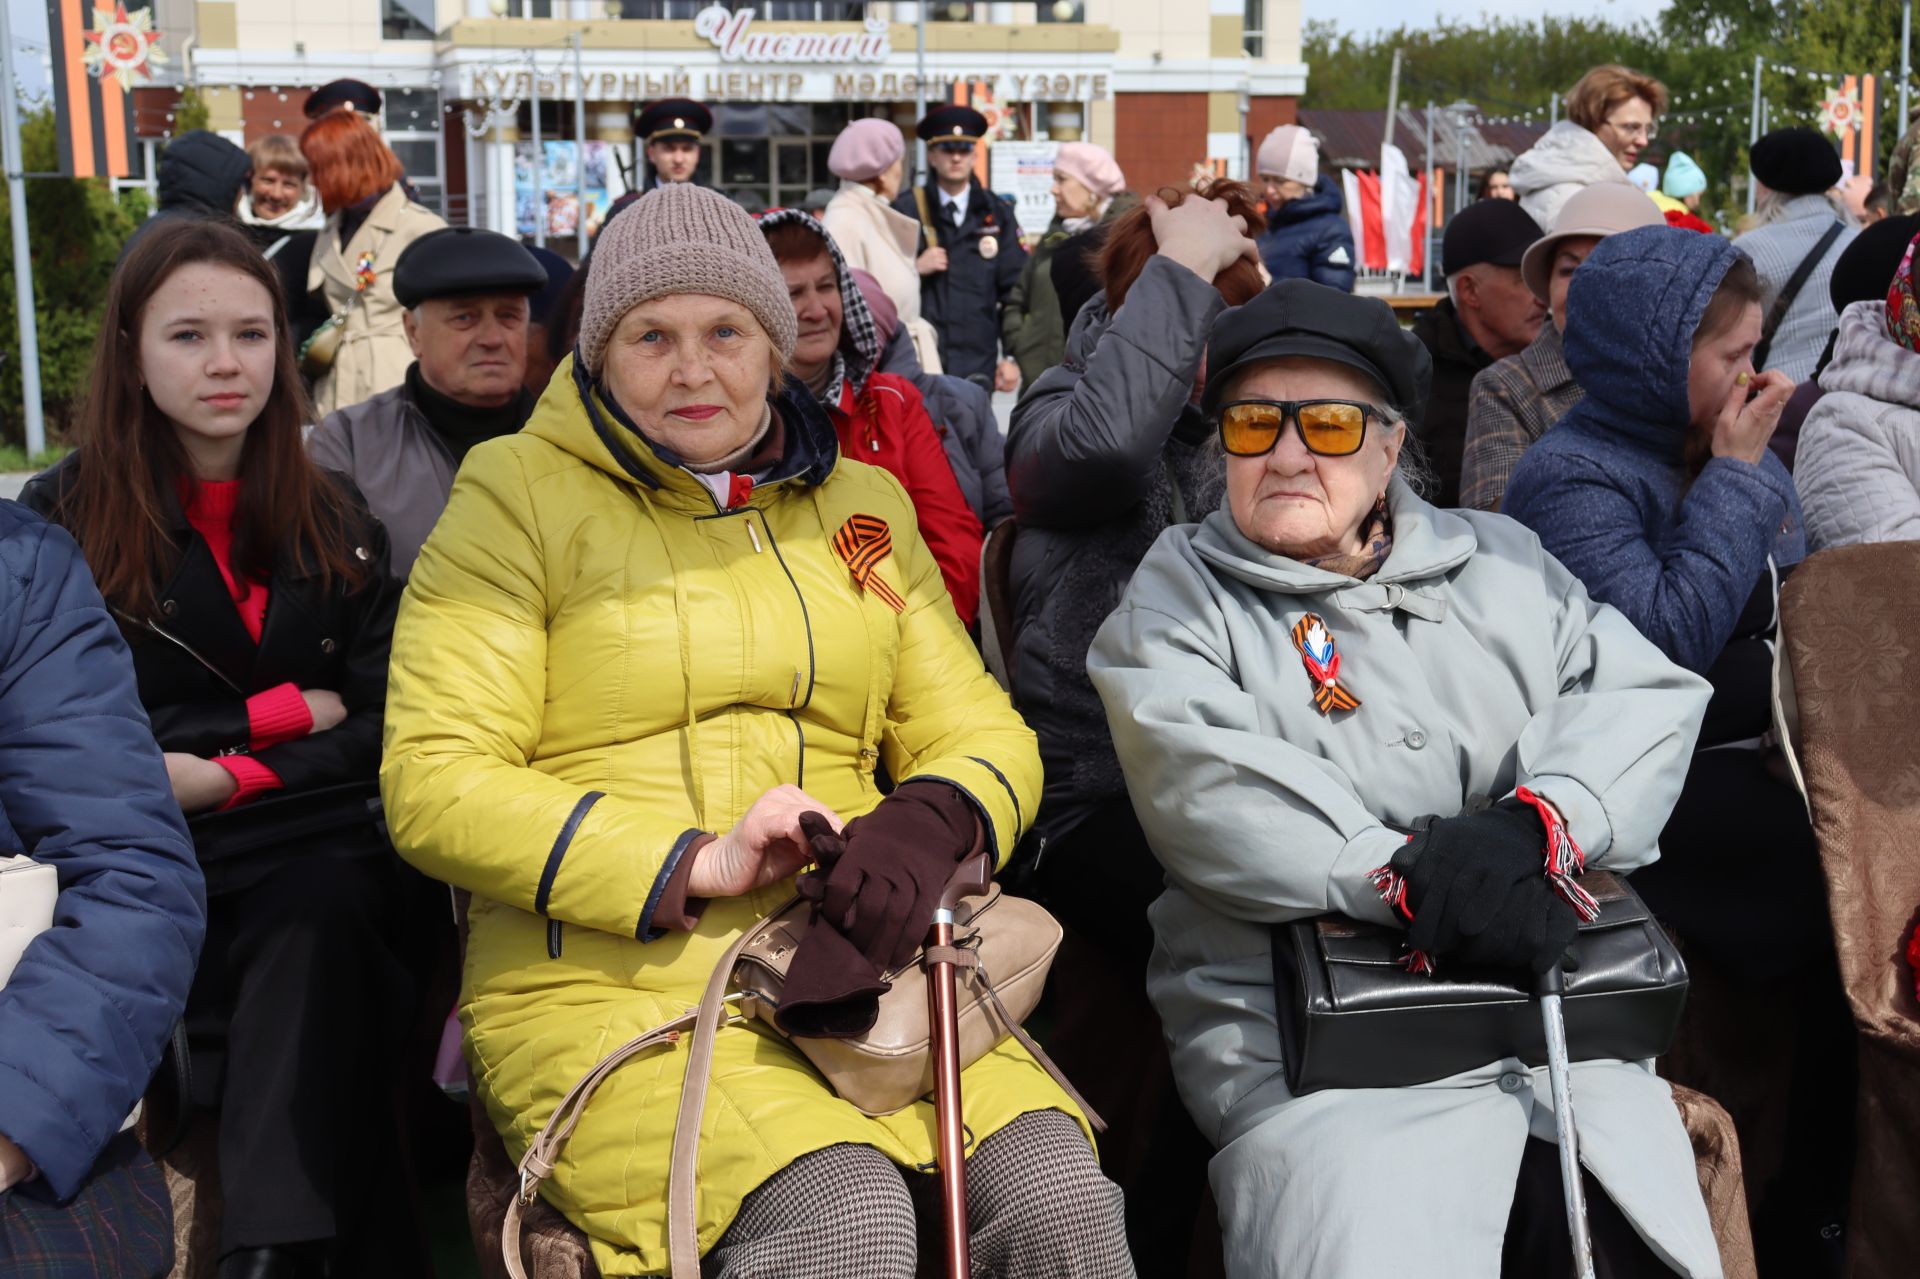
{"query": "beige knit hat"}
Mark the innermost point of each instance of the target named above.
(681, 238)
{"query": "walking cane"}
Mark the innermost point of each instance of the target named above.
(970, 880)
(1551, 988)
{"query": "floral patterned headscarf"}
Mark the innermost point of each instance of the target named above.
(1903, 307)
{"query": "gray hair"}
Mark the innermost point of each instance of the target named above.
(1771, 207)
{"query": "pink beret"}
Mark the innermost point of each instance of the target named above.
(866, 149)
(1091, 167)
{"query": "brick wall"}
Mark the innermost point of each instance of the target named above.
(1159, 137)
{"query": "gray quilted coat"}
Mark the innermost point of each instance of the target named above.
(1858, 465)
(1480, 664)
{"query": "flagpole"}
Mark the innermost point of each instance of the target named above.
(1906, 63)
(22, 256)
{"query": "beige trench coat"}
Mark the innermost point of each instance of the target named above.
(373, 355)
(877, 238)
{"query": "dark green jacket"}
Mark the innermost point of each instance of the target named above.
(1032, 330)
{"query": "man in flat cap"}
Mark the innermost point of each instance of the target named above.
(970, 254)
(333, 95)
(466, 296)
(1488, 314)
(672, 129)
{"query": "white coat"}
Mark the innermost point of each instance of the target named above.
(1480, 664)
(877, 238)
(1858, 462)
(1566, 159)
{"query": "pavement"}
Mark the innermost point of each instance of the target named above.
(12, 482)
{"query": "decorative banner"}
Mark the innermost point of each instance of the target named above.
(554, 188)
(1851, 112)
(99, 55)
(1840, 111)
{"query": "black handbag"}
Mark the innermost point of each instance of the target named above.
(1352, 1017)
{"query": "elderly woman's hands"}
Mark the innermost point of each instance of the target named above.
(765, 847)
(1200, 235)
(1478, 891)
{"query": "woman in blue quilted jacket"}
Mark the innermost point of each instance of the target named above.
(85, 1012)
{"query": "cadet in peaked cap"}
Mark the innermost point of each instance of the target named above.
(970, 253)
(673, 128)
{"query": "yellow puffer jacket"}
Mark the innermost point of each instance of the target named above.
(594, 663)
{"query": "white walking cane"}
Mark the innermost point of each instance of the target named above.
(1552, 987)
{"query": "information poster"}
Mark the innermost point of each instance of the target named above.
(1023, 172)
(561, 186)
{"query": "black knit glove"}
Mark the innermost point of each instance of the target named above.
(1477, 889)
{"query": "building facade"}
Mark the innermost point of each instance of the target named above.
(469, 84)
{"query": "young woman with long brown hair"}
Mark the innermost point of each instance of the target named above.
(253, 591)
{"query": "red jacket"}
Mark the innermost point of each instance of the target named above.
(887, 426)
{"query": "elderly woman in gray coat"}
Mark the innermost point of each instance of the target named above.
(1291, 683)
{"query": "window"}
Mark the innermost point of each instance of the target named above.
(1253, 28)
(406, 19)
(411, 122)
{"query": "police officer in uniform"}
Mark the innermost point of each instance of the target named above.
(467, 294)
(673, 129)
(970, 255)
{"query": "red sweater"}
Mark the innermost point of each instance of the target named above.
(279, 714)
(889, 428)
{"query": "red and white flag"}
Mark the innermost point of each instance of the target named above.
(1388, 214)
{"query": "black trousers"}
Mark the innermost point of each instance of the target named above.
(297, 970)
(1740, 883)
(1098, 880)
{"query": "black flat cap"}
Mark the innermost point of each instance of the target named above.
(1494, 231)
(1301, 318)
(675, 118)
(952, 123)
(1796, 161)
(457, 261)
(357, 94)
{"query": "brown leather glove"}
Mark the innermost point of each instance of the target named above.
(880, 880)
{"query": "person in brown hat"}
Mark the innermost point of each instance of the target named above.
(1514, 400)
(644, 623)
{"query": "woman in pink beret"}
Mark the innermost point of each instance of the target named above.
(869, 158)
(1088, 189)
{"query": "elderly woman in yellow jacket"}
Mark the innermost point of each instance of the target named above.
(631, 656)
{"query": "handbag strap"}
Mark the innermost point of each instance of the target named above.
(968, 959)
(1782, 304)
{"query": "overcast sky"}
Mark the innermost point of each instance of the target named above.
(1370, 15)
(30, 17)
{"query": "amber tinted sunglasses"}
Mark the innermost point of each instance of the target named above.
(1329, 428)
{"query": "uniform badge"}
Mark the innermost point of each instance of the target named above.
(1315, 642)
(989, 247)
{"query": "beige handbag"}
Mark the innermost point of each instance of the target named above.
(28, 890)
(882, 1071)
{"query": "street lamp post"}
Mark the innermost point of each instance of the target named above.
(22, 256)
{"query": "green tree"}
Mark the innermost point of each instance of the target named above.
(190, 112)
(75, 230)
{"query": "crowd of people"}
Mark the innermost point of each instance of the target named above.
(627, 598)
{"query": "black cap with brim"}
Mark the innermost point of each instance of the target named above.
(675, 118)
(952, 123)
(357, 94)
(464, 261)
(1300, 319)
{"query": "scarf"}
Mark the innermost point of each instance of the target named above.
(461, 426)
(307, 215)
(1377, 543)
(1903, 308)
